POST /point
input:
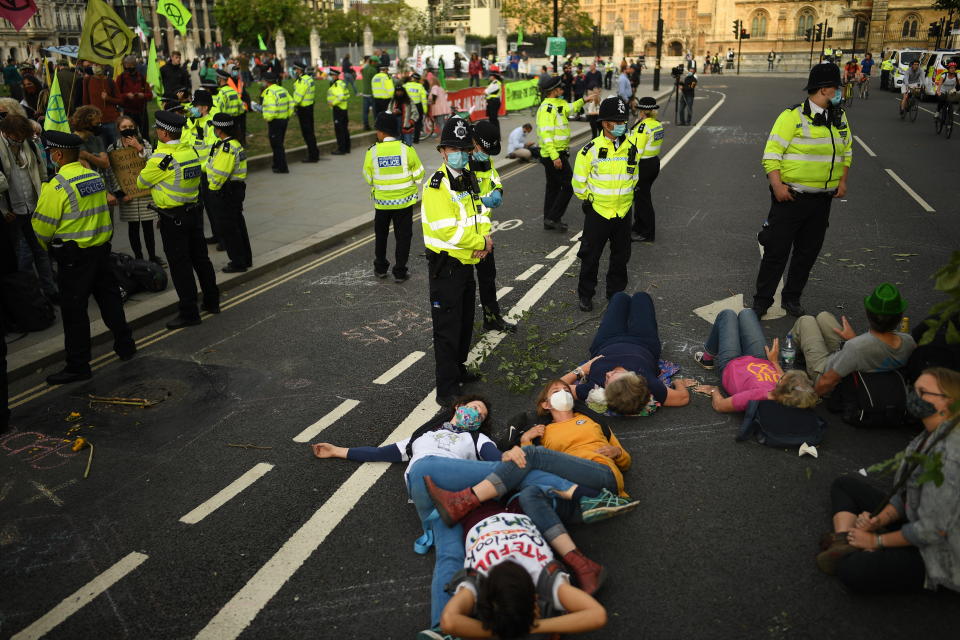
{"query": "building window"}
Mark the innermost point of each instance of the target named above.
(910, 27)
(862, 24)
(758, 26)
(805, 21)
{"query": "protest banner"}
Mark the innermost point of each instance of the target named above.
(127, 165)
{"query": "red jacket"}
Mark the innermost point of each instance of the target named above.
(475, 67)
(93, 86)
(133, 83)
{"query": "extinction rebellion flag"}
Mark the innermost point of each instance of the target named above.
(105, 37)
(17, 11)
(176, 13)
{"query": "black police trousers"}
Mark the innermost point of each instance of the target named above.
(186, 252)
(794, 231)
(597, 231)
(644, 217)
(493, 111)
(82, 273)
(402, 233)
(305, 117)
(487, 284)
(341, 126)
(226, 207)
(452, 301)
(276, 132)
(559, 189)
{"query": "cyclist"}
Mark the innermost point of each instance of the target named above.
(866, 67)
(946, 83)
(912, 79)
(850, 73)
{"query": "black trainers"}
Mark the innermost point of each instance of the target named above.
(760, 311)
(586, 304)
(497, 323)
(180, 322)
(380, 274)
(794, 308)
(703, 361)
(403, 277)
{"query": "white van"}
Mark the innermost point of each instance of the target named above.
(934, 63)
(902, 58)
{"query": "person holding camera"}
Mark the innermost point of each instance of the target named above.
(687, 90)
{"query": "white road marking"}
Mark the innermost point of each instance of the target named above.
(237, 614)
(674, 149)
(556, 252)
(503, 291)
(399, 368)
(709, 312)
(576, 237)
(226, 494)
(865, 147)
(81, 597)
(529, 272)
(311, 432)
(913, 194)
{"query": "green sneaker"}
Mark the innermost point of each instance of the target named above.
(606, 505)
(435, 634)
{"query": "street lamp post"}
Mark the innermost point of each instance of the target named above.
(656, 69)
(556, 28)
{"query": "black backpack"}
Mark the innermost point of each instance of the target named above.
(777, 425)
(149, 276)
(872, 400)
(24, 307)
(120, 265)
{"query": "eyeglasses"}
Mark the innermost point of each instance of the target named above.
(924, 392)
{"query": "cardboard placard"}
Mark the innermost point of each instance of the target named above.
(127, 164)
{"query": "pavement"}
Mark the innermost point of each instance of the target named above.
(205, 516)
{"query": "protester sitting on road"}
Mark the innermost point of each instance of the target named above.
(624, 356)
(829, 359)
(519, 147)
(913, 539)
(750, 370)
(406, 112)
(509, 589)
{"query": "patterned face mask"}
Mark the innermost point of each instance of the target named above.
(466, 419)
(918, 407)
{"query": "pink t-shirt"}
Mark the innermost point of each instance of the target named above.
(748, 378)
(442, 106)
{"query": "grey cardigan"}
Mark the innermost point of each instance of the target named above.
(933, 513)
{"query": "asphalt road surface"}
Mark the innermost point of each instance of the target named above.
(722, 545)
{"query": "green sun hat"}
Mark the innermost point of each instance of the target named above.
(885, 300)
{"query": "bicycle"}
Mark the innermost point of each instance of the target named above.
(913, 104)
(943, 120)
(848, 93)
(865, 87)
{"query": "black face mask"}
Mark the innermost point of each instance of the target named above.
(918, 407)
(88, 71)
(96, 129)
(130, 69)
(128, 133)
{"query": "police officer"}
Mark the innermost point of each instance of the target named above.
(277, 109)
(198, 133)
(382, 87)
(418, 96)
(553, 130)
(886, 68)
(228, 99)
(73, 219)
(394, 171)
(454, 242)
(647, 135)
(338, 97)
(173, 175)
(493, 94)
(806, 159)
(304, 95)
(604, 177)
(486, 136)
(225, 173)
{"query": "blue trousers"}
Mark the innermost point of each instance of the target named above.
(629, 319)
(733, 336)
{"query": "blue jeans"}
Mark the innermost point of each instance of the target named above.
(508, 476)
(407, 139)
(686, 109)
(733, 336)
(455, 474)
(628, 319)
(367, 108)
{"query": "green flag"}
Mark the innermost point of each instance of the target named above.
(263, 47)
(519, 35)
(105, 37)
(153, 73)
(55, 117)
(176, 13)
(142, 23)
(442, 74)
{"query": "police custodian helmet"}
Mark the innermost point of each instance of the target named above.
(613, 109)
(548, 82)
(457, 134)
(825, 74)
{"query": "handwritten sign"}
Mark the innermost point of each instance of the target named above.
(127, 164)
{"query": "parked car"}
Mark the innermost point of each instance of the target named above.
(934, 63)
(902, 58)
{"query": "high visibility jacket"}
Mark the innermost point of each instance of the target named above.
(886, 65)
(277, 103)
(304, 91)
(73, 206)
(489, 181)
(606, 176)
(394, 171)
(382, 85)
(451, 217)
(172, 182)
(809, 155)
(497, 91)
(338, 95)
(228, 101)
(553, 125)
(227, 161)
(199, 134)
(417, 94)
(648, 136)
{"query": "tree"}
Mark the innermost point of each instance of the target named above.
(384, 17)
(243, 20)
(536, 16)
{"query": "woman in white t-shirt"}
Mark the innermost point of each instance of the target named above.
(511, 585)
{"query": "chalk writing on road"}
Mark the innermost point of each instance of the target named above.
(389, 329)
(505, 225)
(38, 450)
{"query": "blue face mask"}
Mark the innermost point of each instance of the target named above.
(619, 130)
(837, 98)
(480, 156)
(467, 419)
(457, 159)
(195, 112)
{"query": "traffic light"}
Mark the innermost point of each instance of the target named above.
(744, 35)
(934, 30)
(736, 29)
(819, 32)
(829, 32)
(808, 35)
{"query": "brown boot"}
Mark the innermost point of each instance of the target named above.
(451, 505)
(589, 574)
(829, 559)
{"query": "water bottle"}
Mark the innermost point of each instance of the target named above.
(788, 353)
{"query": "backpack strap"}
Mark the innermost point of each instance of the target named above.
(546, 585)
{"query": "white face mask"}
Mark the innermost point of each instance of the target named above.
(561, 400)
